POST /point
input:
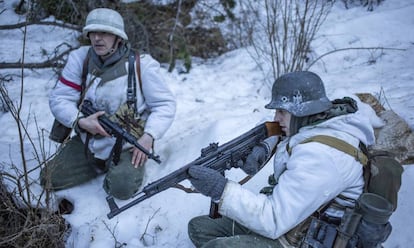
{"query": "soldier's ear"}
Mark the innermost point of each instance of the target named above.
(119, 41)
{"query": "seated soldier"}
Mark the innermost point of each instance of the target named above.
(308, 177)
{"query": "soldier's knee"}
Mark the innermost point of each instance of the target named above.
(122, 182)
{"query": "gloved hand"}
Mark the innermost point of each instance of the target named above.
(254, 160)
(259, 155)
(207, 181)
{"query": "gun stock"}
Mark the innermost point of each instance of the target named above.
(219, 158)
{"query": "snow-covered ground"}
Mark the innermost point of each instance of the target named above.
(217, 101)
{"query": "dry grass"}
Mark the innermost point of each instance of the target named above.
(29, 227)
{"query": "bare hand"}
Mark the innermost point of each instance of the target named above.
(138, 157)
(91, 124)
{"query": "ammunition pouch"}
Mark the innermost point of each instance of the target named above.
(126, 118)
(320, 234)
(365, 226)
(59, 132)
(296, 234)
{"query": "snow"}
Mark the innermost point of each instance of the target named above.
(218, 100)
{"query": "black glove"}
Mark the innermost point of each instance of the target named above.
(207, 181)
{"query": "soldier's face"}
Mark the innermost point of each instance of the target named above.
(103, 43)
(283, 117)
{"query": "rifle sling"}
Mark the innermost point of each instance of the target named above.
(131, 98)
(132, 81)
(117, 149)
(185, 189)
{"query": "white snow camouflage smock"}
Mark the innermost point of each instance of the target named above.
(312, 175)
(157, 107)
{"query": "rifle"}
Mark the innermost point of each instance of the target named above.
(116, 130)
(219, 158)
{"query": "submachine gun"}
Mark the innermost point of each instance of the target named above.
(219, 158)
(116, 130)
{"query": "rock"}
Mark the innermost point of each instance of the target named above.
(396, 135)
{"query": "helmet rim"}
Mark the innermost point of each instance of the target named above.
(303, 109)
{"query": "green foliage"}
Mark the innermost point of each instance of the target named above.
(149, 26)
(219, 18)
(181, 52)
(228, 6)
(187, 60)
(62, 10)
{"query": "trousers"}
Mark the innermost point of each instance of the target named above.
(71, 167)
(224, 232)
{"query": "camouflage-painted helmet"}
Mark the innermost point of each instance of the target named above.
(105, 20)
(300, 93)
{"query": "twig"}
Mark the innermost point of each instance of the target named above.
(47, 23)
(282, 34)
(171, 35)
(352, 48)
(382, 93)
(146, 227)
(112, 232)
(54, 62)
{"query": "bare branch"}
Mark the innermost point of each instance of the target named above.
(47, 23)
(57, 61)
(171, 36)
(146, 228)
(352, 48)
(117, 243)
(280, 36)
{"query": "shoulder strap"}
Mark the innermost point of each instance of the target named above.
(138, 67)
(346, 148)
(84, 72)
(339, 145)
(132, 81)
(83, 77)
(85, 68)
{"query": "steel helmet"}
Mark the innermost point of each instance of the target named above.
(300, 93)
(105, 20)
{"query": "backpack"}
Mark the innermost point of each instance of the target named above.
(367, 224)
(382, 172)
(59, 132)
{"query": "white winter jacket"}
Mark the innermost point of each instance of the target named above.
(312, 175)
(157, 105)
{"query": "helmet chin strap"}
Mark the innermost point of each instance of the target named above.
(297, 123)
(113, 48)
